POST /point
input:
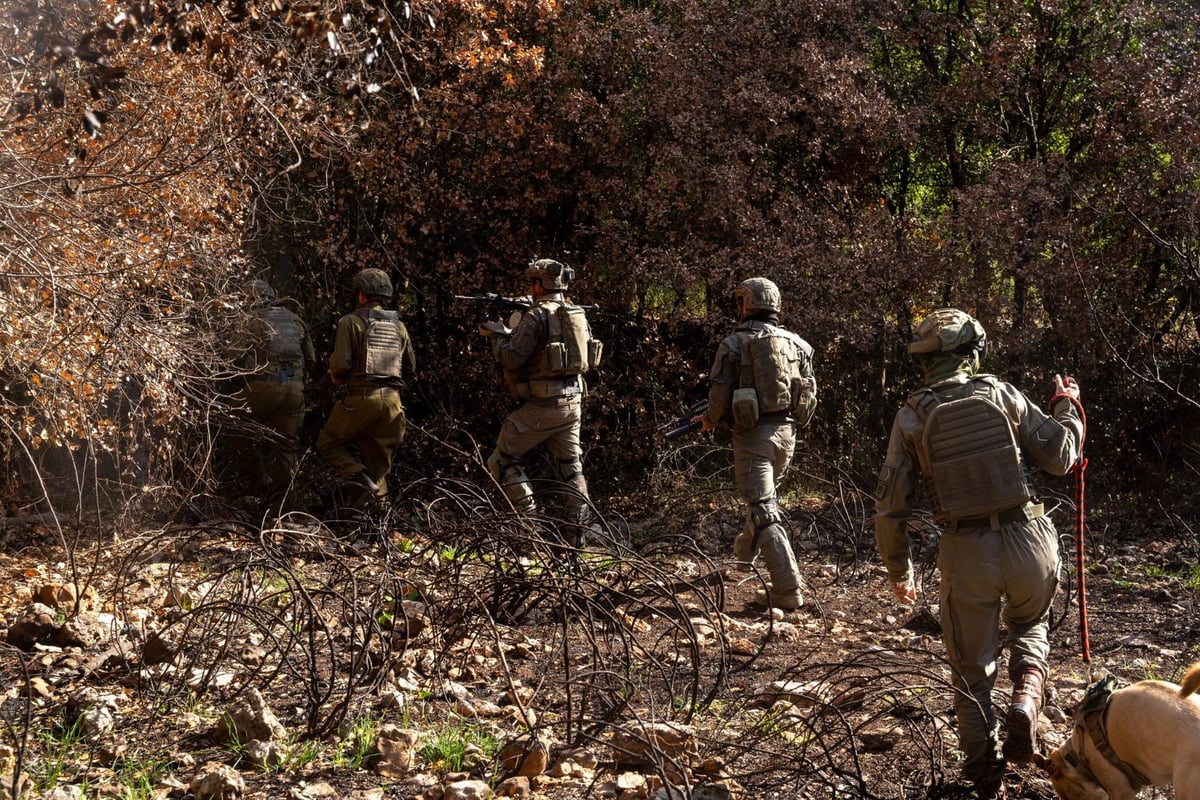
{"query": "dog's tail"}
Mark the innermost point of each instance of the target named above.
(1191, 680)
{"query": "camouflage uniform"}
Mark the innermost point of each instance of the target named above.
(274, 349)
(1005, 562)
(552, 411)
(370, 417)
(762, 451)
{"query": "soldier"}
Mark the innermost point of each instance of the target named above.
(544, 359)
(762, 388)
(274, 351)
(972, 436)
(371, 354)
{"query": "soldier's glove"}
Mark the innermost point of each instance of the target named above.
(494, 328)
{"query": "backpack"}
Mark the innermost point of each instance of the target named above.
(276, 337)
(383, 344)
(773, 366)
(570, 348)
(968, 450)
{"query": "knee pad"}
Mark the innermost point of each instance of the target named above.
(764, 514)
(570, 470)
(509, 473)
(571, 473)
(520, 494)
(505, 468)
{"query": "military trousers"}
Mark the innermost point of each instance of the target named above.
(552, 423)
(761, 456)
(1010, 573)
(363, 432)
(267, 462)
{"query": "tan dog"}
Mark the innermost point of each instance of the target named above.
(1153, 739)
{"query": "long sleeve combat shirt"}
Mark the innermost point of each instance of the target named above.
(1051, 442)
(513, 352)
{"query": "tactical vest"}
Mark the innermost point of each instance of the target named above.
(382, 355)
(276, 340)
(969, 454)
(570, 349)
(772, 360)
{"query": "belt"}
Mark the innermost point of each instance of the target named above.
(995, 521)
(554, 388)
(363, 391)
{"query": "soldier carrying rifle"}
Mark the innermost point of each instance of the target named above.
(545, 355)
(762, 387)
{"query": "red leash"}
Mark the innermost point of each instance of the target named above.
(1079, 468)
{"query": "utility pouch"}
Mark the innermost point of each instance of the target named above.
(595, 352)
(745, 407)
(556, 357)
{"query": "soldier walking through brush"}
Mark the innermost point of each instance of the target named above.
(372, 353)
(762, 387)
(544, 358)
(972, 437)
(274, 352)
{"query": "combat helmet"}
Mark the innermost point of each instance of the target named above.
(948, 330)
(756, 295)
(553, 275)
(259, 293)
(372, 282)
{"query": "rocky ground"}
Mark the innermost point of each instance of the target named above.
(460, 651)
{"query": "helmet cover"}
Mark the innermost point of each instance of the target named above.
(948, 330)
(757, 294)
(553, 275)
(372, 282)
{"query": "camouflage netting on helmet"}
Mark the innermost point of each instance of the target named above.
(758, 295)
(947, 330)
(373, 283)
(553, 275)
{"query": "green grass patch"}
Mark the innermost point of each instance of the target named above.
(452, 748)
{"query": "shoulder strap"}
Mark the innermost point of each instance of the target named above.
(370, 314)
(923, 402)
(745, 359)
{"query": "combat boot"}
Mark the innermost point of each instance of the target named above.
(1023, 712)
(787, 601)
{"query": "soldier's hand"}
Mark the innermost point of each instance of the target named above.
(702, 420)
(905, 591)
(1066, 387)
(494, 328)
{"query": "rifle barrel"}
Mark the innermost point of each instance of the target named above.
(682, 430)
(512, 303)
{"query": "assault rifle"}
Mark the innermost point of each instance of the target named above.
(684, 425)
(499, 302)
(502, 303)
